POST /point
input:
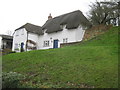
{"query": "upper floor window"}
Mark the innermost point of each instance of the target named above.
(62, 26)
(22, 32)
(65, 40)
(17, 33)
(44, 30)
(46, 43)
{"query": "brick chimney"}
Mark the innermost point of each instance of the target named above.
(49, 17)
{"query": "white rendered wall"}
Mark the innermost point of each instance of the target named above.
(22, 37)
(79, 34)
(73, 35)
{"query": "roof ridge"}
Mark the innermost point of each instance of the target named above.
(32, 24)
(67, 13)
(72, 20)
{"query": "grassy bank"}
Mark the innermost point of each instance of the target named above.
(93, 63)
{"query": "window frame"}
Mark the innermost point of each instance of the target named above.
(65, 40)
(17, 33)
(22, 32)
(46, 43)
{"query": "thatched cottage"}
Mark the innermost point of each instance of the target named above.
(67, 28)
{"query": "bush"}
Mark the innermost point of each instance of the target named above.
(21, 50)
(11, 80)
(12, 52)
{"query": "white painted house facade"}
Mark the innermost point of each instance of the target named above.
(67, 28)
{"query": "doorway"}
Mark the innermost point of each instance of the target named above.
(55, 43)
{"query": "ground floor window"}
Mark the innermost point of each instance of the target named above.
(46, 43)
(65, 40)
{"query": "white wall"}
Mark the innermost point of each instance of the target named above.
(0, 42)
(73, 35)
(79, 34)
(19, 37)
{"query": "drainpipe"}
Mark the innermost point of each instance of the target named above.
(27, 40)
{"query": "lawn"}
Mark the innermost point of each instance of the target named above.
(90, 64)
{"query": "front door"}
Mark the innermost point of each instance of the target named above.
(22, 49)
(55, 44)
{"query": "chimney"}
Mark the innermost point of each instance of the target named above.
(49, 17)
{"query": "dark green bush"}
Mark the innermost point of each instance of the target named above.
(22, 50)
(12, 80)
(12, 52)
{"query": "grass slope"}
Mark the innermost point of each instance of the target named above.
(91, 63)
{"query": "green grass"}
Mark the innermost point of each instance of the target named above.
(92, 63)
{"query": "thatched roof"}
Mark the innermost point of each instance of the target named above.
(71, 20)
(32, 28)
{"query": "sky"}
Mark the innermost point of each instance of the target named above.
(15, 13)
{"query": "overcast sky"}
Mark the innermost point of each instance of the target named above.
(15, 13)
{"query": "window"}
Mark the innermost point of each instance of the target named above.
(17, 33)
(22, 33)
(65, 40)
(46, 43)
(62, 26)
(44, 31)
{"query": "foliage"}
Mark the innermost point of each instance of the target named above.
(22, 50)
(104, 13)
(90, 64)
(11, 80)
(95, 31)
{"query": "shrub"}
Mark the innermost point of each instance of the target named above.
(12, 52)
(21, 50)
(11, 80)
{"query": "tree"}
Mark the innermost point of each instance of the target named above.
(115, 11)
(104, 13)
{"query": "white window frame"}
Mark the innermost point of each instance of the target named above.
(65, 40)
(17, 33)
(22, 32)
(46, 43)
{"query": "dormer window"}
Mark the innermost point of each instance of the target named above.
(44, 31)
(62, 26)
